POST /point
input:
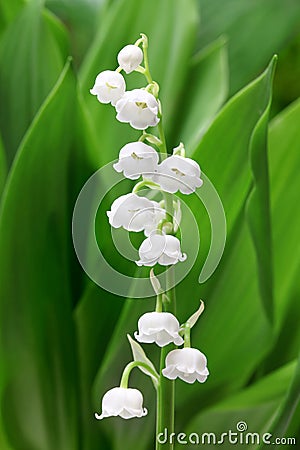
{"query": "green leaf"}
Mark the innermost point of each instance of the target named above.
(37, 329)
(254, 405)
(170, 48)
(258, 206)
(284, 161)
(232, 297)
(8, 11)
(249, 26)
(206, 89)
(194, 317)
(2, 167)
(139, 355)
(288, 406)
(32, 54)
(82, 18)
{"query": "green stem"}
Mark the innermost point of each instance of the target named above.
(159, 305)
(146, 60)
(187, 335)
(128, 369)
(166, 388)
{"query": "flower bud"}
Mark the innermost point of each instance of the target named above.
(189, 364)
(109, 87)
(130, 57)
(159, 327)
(123, 402)
(139, 108)
(162, 249)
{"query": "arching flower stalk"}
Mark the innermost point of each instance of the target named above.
(148, 163)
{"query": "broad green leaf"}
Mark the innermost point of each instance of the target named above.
(2, 166)
(231, 296)
(8, 11)
(249, 26)
(95, 316)
(40, 400)
(205, 91)
(284, 161)
(82, 18)
(255, 405)
(170, 48)
(258, 208)
(287, 408)
(32, 54)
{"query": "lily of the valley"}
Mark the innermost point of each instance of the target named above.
(178, 173)
(135, 213)
(109, 87)
(136, 159)
(160, 249)
(159, 327)
(139, 108)
(123, 402)
(130, 57)
(189, 364)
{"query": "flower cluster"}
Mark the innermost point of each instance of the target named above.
(165, 175)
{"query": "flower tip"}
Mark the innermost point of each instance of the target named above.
(99, 416)
(145, 412)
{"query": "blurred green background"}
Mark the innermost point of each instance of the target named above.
(63, 339)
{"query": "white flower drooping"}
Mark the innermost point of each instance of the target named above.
(130, 57)
(109, 87)
(178, 173)
(135, 213)
(136, 159)
(123, 402)
(189, 364)
(159, 327)
(139, 108)
(162, 249)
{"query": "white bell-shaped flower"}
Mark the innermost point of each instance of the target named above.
(189, 364)
(109, 87)
(162, 249)
(130, 57)
(159, 327)
(139, 108)
(135, 213)
(178, 173)
(136, 159)
(123, 402)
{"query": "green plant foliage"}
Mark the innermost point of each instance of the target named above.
(8, 11)
(2, 166)
(33, 50)
(35, 283)
(63, 339)
(250, 26)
